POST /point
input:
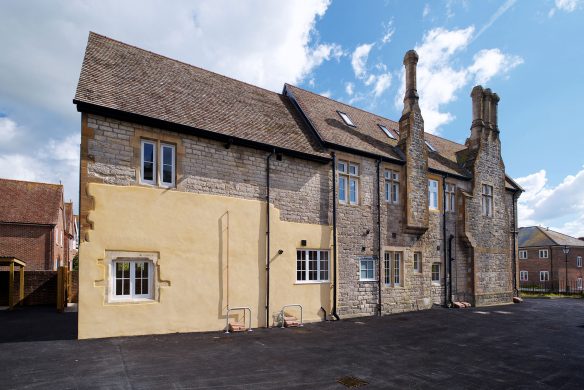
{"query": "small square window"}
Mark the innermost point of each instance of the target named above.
(132, 280)
(523, 276)
(417, 262)
(312, 266)
(346, 118)
(544, 276)
(386, 131)
(367, 269)
(523, 254)
(436, 273)
(543, 253)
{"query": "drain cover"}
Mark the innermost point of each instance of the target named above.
(351, 381)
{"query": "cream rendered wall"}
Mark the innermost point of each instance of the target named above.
(195, 237)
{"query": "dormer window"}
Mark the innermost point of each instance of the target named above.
(386, 131)
(430, 146)
(346, 118)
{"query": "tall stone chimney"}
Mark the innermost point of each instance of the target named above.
(411, 142)
(484, 115)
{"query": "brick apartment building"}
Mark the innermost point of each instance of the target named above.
(543, 261)
(201, 194)
(35, 224)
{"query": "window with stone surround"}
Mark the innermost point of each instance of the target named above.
(450, 198)
(543, 253)
(367, 269)
(312, 266)
(433, 194)
(417, 262)
(153, 171)
(487, 200)
(348, 182)
(391, 186)
(393, 269)
(523, 254)
(436, 273)
(132, 280)
(523, 276)
(544, 276)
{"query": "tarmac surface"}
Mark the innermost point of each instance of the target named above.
(538, 344)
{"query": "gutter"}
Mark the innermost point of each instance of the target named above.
(334, 309)
(379, 303)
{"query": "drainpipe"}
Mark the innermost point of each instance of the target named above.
(450, 238)
(379, 237)
(268, 237)
(446, 264)
(514, 268)
(552, 271)
(334, 310)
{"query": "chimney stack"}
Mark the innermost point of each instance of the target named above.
(411, 97)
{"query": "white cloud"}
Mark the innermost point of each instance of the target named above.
(560, 207)
(349, 88)
(500, 11)
(489, 62)
(359, 59)
(7, 129)
(439, 79)
(382, 83)
(327, 94)
(566, 6)
(426, 10)
(389, 31)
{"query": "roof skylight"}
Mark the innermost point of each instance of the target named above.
(386, 131)
(346, 118)
(430, 146)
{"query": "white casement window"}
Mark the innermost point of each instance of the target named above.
(544, 276)
(435, 273)
(523, 254)
(450, 198)
(487, 200)
(367, 269)
(433, 194)
(386, 131)
(346, 119)
(523, 276)
(391, 186)
(417, 262)
(167, 165)
(312, 266)
(579, 261)
(543, 253)
(348, 182)
(148, 162)
(132, 280)
(392, 263)
(56, 236)
(579, 284)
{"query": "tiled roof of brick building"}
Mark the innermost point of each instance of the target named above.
(29, 202)
(537, 236)
(121, 77)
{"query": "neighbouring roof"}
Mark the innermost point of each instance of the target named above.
(29, 202)
(122, 77)
(536, 236)
(69, 221)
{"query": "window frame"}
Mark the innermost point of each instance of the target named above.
(132, 297)
(579, 261)
(154, 162)
(436, 282)
(361, 269)
(523, 276)
(172, 168)
(346, 178)
(391, 187)
(346, 118)
(579, 284)
(487, 200)
(543, 251)
(417, 265)
(450, 205)
(307, 269)
(386, 131)
(392, 262)
(546, 278)
(523, 254)
(430, 192)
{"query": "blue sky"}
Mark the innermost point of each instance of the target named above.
(529, 52)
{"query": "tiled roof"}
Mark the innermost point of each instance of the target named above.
(28, 202)
(118, 76)
(536, 236)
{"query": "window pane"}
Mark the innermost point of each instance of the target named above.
(167, 174)
(323, 265)
(138, 287)
(342, 186)
(312, 265)
(148, 152)
(396, 269)
(167, 155)
(387, 191)
(353, 190)
(126, 286)
(353, 169)
(386, 268)
(342, 167)
(395, 196)
(119, 287)
(148, 171)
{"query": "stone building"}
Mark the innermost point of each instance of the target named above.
(201, 194)
(544, 263)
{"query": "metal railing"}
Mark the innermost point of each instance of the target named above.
(573, 287)
(244, 308)
(283, 316)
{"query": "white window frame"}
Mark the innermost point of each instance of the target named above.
(579, 284)
(433, 192)
(154, 163)
(367, 261)
(348, 175)
(543, 253)
(132, 297)
(450, 197)
(579, 261)
(393, 268)
(386, 131)
(523, 254)
(173, 166)
(391, 186)
(306, 263)
(487, 200)
(544, 276)
(437, 282)
(346, 118)
(523, 276)
(417, 262)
